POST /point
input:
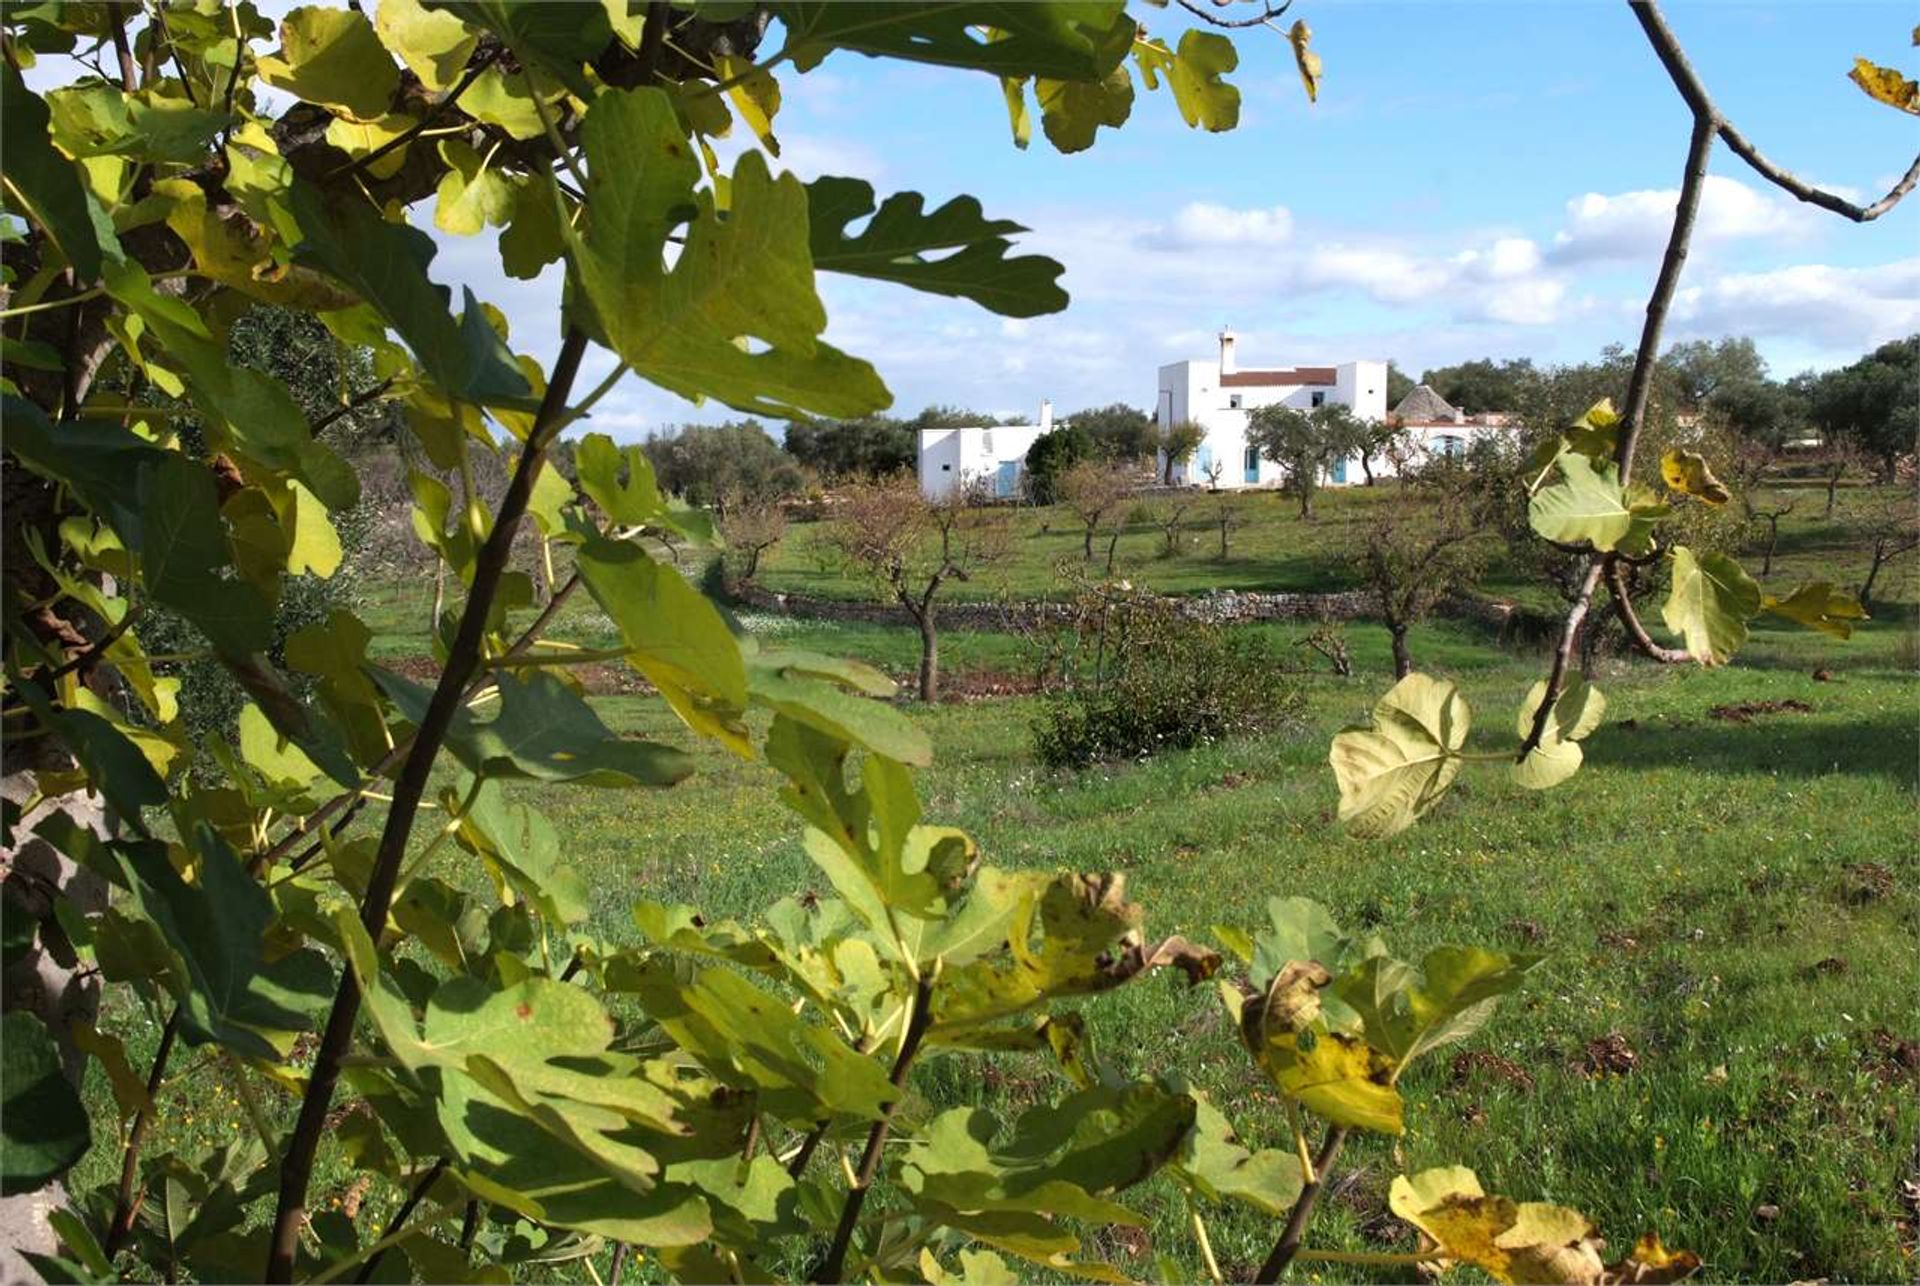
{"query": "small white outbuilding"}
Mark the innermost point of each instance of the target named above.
(990, 456)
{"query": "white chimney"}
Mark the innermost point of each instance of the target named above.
(1046, 415)
(1227, 366)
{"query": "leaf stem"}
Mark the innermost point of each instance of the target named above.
(463, 658)
(1205, 1243)
(399, 1219)
(1381, 1258)
(434, 113)
(255, 1117)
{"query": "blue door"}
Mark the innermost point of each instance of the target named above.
(1007, 481)
(1202, 463)
(1340, 470)
(1253, 465)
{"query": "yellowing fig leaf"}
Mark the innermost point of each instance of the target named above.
(1332, 1075)
(1076, 935)
(1687, 473)
(755, 94)
(1588, 505)
(1215, 1163)
(1018, 115)
(1512, 1241)
(1819, 606)
(434, 44)
(1300, 35)
(332, 57)
(1576, 712)
(1650, 1261)
(1710, 603)
(470, 195)
(1886, 85)
(1194, 74)
(1396, 769)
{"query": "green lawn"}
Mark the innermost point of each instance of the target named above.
(1736, 901)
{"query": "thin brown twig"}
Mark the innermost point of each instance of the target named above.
(1302, 1214)
(426, 122)
(1623, 608)
(833, 1267)
(173, 51)
(1639, 390)
(352, 404)
(1691, 88)
(92, 653)
(463, 659)
(126, 1206)
(356, 797)
(1269, 14)
(116, 22)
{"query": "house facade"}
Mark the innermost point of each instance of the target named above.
(990, 456)
(1218, 395)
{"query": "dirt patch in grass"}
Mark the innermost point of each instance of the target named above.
(1748, 711)
(1864, 882)
(1610, 1055)
(1478, 1062)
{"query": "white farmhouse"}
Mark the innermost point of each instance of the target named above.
(991, 456)
(1217, 396)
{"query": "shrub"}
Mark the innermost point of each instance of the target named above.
(1139, 676)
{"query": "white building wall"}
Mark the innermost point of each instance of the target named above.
(940, 464)
(1192, 390)
(990, 455)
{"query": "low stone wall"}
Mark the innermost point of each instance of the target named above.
(1225, 606)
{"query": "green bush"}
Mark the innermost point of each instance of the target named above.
(1138, 677)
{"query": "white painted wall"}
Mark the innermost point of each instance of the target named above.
(992, 455)
(1192, 390)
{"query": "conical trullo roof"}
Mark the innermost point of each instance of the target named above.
(1423, 404)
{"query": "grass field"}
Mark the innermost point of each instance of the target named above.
(1721, 1046)
(1272, 550)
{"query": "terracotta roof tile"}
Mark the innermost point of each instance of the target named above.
(1297, 375)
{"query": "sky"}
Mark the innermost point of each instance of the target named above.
(1476, 179)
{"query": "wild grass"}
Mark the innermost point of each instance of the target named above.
(1720, 1047)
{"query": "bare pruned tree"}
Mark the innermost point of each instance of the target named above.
(751, 525)
(912, 547)
(1095, 490)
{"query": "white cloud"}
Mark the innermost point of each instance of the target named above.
(1631, 225)
(1842, 310)
(1203, 223)
(1387, 274)
(1506, 258)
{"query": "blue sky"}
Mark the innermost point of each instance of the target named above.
(1476, 179)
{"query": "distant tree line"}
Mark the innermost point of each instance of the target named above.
(1868, 411)
(1870, 407)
